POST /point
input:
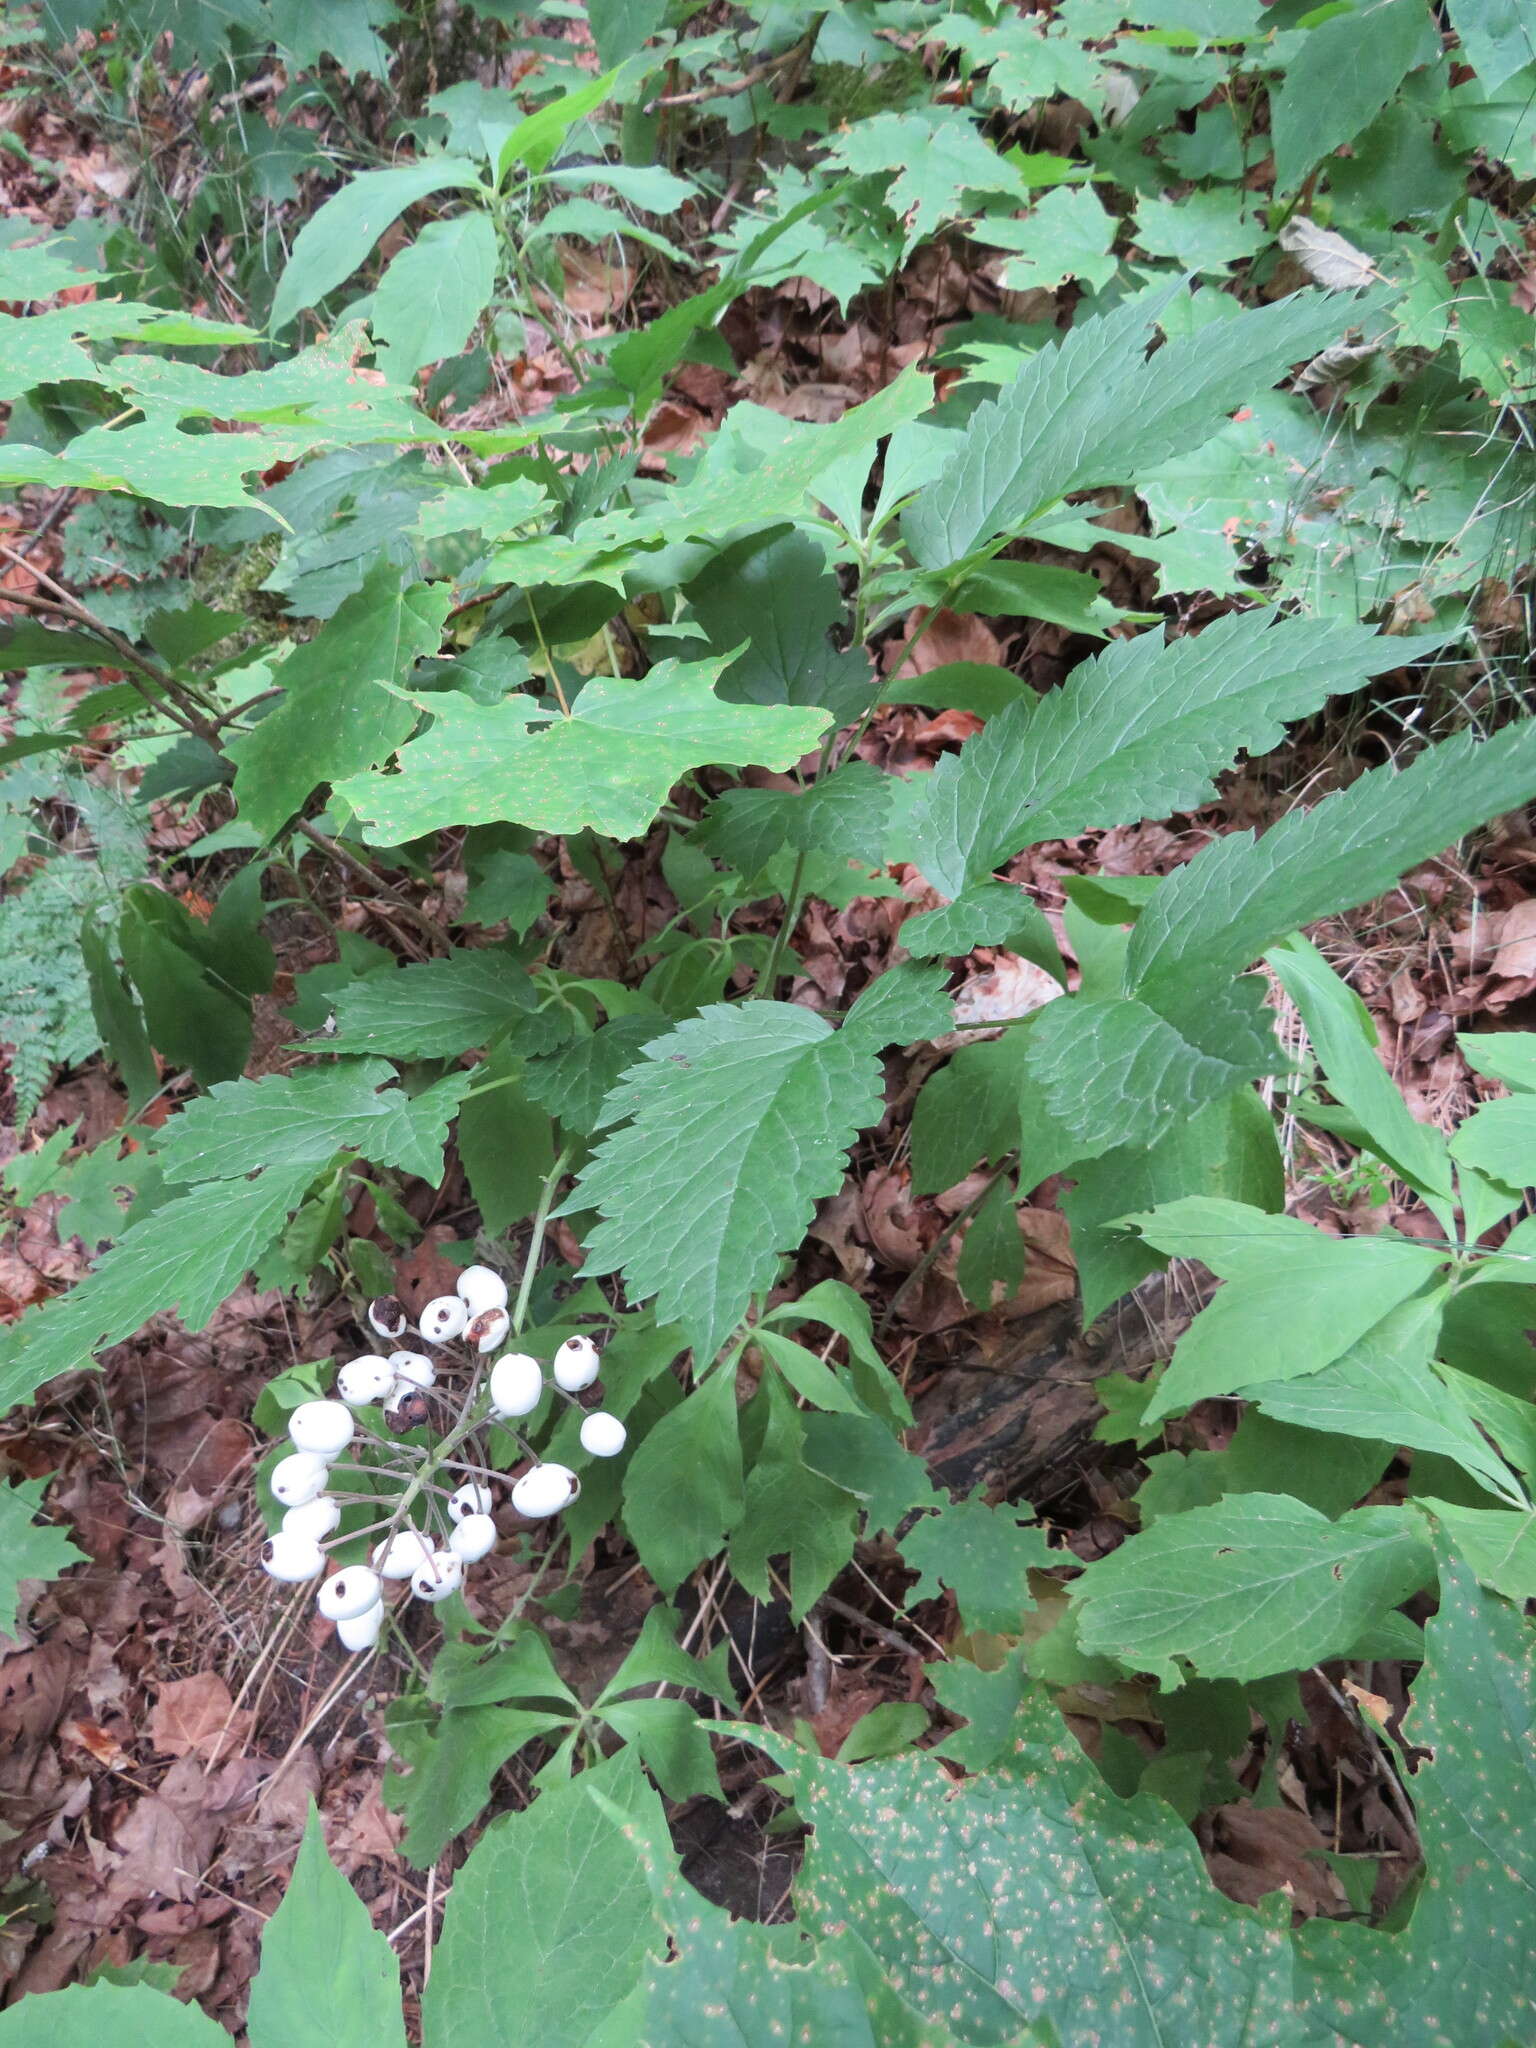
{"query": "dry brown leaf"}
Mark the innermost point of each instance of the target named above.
(1516, 956)
(196, 1717)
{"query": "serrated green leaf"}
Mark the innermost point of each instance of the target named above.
(609, 765)
(1096, 410)
(452, 1757)
(1295, 1299)
(31, 1548)
(902, 1005)
(1136, 732)
(739, 1122)
(984, 1555)
(1256, 1584)
(303, 1118)
(337, 238)
(336, 715)
(1066, 234)
(190, 1254)
(550, 1918)
(938, 156)
(433, 1008)
(326, 1974)
(986, 914)
(573, 1082)
(683, 1484)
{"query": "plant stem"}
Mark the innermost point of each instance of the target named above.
(925, 1263)
(536, 1240)
(781, 937)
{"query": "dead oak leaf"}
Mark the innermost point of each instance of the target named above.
(196, 1717)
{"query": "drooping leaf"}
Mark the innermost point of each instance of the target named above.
(337, 715)
(337, 238)
(739, 1120)
(1136, 732)
(1095, 410)
(1294, 1298)
(31, 1548)
(609, 766)
(683, 1484)
(550, 1919)
(433, 292)
(326, 1974)
(772, 596)
(1255, 1584)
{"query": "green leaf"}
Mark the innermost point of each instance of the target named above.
(336, 239)
(1385, 1388)
(902, 1005)
(1497, 1544)
(683, 1484)
(986, 914)
(118, 1017)
(1507, 1056)
(657, 1658)
(938, 156)
(1227, 1150)
(1343, 1034)
(336, 716)
(621, 27)
(866, 1460)
(129, 2016)
(739, 1122)
(1031, 1894)
(574, 1082)
(433, 1008)
(1236, 898)
(433, 292)
(992, 1251)
(1346, 70)
(452, 1756)
(842, 816)
(550, 1920)
(671, 1743)
(1256, 1584)
(1462, 1970)
(326, 1974)
(506, 1144)
(609, 765)
(1066, 234)
(32, 1549)
(790, 1510)
(811, 1377)
(1138, 731)
(190, 1254)
(1295, 1299)
(984, 1555)
(1499, 1139)
(191, 1012)
(1496, 38)
(1203, 232)
(770, 599)
(303, 1118)
(1095, 410)
(535, 142)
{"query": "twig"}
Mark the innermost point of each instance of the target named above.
(364, 871)
(797, 51)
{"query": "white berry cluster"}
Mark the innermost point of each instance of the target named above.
(441, 1517)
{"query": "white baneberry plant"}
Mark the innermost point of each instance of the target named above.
(410, 1435)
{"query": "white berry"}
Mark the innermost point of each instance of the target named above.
(350, 1593)
(387, 1316)
(442, 1574)
(314, 1520)
(489, 1330)
(544, 1490)
(576, 1364)
(363, 1381)
(471, 1499)
(298, 1478)
(292, 1558)
(399, 1555)
(517, 1381)
(473, 1538)
(414, 1367)
(481, 1289)
(324, 1427)
(361, 1631)
(444, 1319)
(603, 1435)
